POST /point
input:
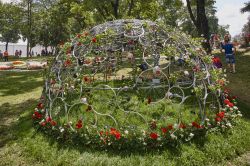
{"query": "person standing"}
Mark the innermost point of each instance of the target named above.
(16, 53)
(230, 51)
(1, 55)
(6, 56)
(20, 53)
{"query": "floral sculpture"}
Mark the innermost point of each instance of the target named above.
(133, 83)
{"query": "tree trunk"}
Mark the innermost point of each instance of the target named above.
(115, 6)
(131, 5)
(201, 22)
(6, 45)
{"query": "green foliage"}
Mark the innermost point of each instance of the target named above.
(11, 20)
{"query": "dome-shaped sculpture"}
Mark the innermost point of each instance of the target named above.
(131, 77)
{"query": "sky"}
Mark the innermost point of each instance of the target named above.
(228, 12)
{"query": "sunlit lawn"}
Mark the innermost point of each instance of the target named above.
(20, 144)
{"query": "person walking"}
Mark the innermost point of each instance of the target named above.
(230, 51)
(6, 56)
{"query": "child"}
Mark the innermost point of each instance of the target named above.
(229, 53)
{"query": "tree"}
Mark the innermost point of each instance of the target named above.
(200, 21)
(246, 8)
(10, 23)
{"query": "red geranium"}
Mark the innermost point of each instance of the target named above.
(43, 124)
(221, 115)
(164, 129)
(79, 124)
(196, 125)
(153, 135)
(226, 101)
(94, 40)
(67, 62)
(182, 126)
(115, 133)
(48, 119)
(53, 123)
(218, 119)
(230, 104)
(40, 106)
(37, 115)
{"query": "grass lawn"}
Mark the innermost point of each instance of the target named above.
(20, 144)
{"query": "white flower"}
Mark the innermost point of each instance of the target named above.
(207, 119)
(176, 126)
(229, 124)
(126, 131)
(240, 115)
(144, 143)
(36, 109)
(61, 129)
(84, 100)
(173, 136)
(191, 135)
(235, 107)
(186, 73)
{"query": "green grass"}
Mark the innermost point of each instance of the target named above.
(20, 144)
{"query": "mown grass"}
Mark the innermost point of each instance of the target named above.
(20, 144)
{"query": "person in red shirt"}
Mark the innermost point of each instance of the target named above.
(6, 56)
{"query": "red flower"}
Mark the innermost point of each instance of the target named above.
(230, 104)
(221, 115)
(40, 106)
(234, 97)
(101, 133)
(67, 62)
(182, 126)
(170, 127)
(226, 101)
(118, 135)
(48, 119)
(79, 124)
(164, 129)
(37, 115)
(53, 123)
(158, 72)
(153, 135)
(94, 40)
(217, 119)
(43, 124)
(196, 125)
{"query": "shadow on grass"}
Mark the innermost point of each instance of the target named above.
(20, 82)
(13, 122)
